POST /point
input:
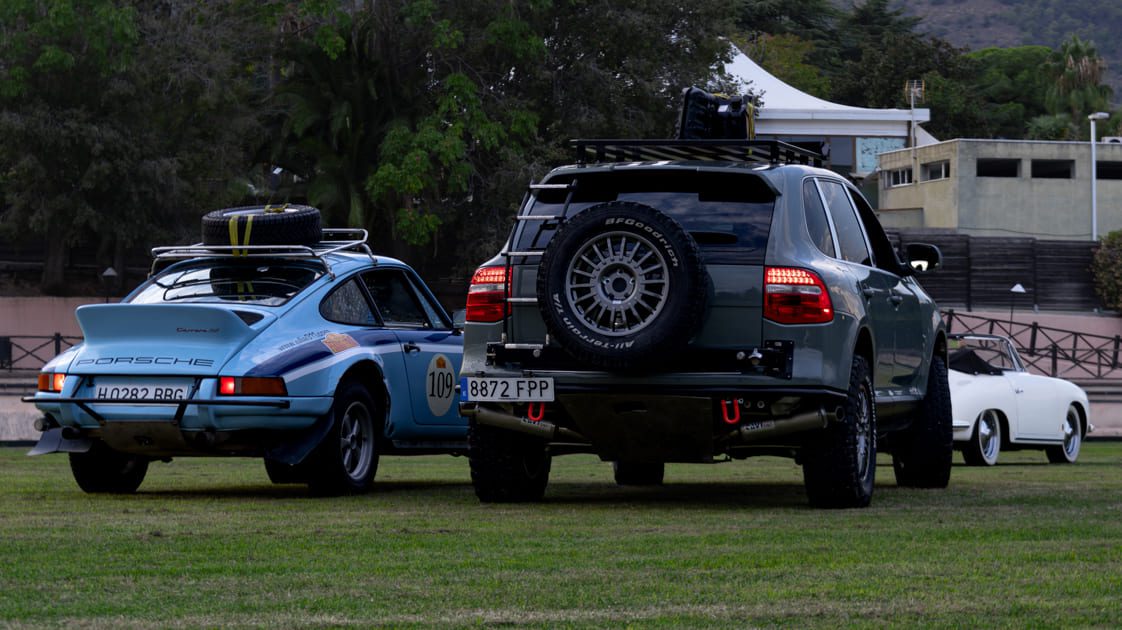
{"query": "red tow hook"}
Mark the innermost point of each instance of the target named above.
(535, 417)
(735, 411)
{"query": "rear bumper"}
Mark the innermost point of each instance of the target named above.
(233, 414)
(665, 423)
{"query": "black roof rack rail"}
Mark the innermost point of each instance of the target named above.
(769, 151)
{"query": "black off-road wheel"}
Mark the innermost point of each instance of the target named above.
(507, 467)
(621, 286)
(347, 459)
(263, 225)
(101, 470)
(840, 461)
(1068, 452)
(639, 473)
(922, 454)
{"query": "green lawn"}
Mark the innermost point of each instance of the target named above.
(209, 542)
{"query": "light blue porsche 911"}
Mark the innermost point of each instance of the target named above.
(272, 338)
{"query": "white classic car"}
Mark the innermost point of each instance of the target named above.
(997, 404)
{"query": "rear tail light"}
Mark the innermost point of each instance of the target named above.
(51, 382)
(796, 296)
(486, 299)
(251, 386)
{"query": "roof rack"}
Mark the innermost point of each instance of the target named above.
(770, 151)
(334, 240)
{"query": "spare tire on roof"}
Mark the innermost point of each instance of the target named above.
(621, 286)
(284, 224)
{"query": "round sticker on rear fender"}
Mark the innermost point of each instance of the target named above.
(440, 385)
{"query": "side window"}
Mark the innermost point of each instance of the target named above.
(884, 253)
(851, 235)
(347, 305)
(395, 299)
(816, 222)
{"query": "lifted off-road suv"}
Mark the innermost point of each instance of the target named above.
(698, 301)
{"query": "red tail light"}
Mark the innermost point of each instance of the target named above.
(51, 382)
(486, 300)
(252, 386)
(796, 296)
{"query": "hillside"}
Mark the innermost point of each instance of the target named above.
(978, 24)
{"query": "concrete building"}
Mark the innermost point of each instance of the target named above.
(1002, 188)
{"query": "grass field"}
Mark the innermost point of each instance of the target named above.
(209, 542)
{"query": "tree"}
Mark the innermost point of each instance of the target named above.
(1076, 87)
(118, 119)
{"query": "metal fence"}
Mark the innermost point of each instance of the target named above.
(30, 352)
(1052, 351)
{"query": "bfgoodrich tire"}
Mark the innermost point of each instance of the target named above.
(621, 286)
(921, 456)
(263, 225)
(103, 470)
(840, 461)
(507, 467)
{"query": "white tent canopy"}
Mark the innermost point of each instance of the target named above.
(788, 111)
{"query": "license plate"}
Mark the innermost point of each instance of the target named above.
(141, 388)
(478, 389)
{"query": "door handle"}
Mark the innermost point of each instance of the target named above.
(410, 347)
(868, 291)
(1018, 391)
(896, 299)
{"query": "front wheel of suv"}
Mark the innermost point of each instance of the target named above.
(507, 467)
(922, 457)
(839, 462)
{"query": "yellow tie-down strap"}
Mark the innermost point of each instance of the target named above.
(245, 238)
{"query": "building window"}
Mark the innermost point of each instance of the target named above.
(898, 177)
(1053, 169)
(998, 167)
(1108, 170)
(935, 170)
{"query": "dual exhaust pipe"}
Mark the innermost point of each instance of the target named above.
(748, 433)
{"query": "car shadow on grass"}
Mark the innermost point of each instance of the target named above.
(706, 495)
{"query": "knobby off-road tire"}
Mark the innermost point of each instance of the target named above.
(507, 467)
(1068, 452)
(621, 286)
(922, 455)
(347, 459)
(263, 225)
(103, 470)
(985, 441)
(639, 473)
(839, 462)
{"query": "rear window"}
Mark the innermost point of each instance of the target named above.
(728, 214)
(263, 283)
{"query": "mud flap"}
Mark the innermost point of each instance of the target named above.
(52, 442)
(294, 451)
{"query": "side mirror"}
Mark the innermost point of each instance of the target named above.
(923, 257)
(458, 318)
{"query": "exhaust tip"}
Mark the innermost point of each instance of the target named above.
(70, 433)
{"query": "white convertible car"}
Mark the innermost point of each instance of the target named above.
(998, 404)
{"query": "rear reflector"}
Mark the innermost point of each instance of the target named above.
(486, 299)
(251, 386)
(796, 296)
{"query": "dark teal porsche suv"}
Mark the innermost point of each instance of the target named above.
(703, 301)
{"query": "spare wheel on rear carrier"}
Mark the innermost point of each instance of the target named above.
(285, 224)
(621, 286)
